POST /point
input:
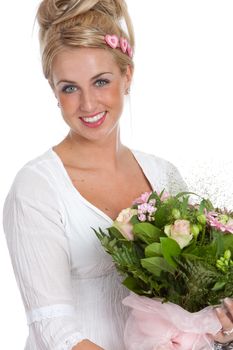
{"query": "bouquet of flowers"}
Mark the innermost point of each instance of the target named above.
(176, 256)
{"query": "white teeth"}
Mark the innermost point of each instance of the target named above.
(95, 118)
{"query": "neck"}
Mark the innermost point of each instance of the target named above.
(94, 154)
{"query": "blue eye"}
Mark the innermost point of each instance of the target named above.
(101, 82)
(68, 89)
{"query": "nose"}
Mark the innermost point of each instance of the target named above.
(87, 101)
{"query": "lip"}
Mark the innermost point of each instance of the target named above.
(91, 115)
(95, 124)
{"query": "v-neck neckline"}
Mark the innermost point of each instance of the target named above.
(83, 199)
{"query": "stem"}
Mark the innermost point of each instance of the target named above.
(203, 235)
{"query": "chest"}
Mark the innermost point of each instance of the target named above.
(110, 192)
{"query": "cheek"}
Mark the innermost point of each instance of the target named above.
(113, 97)
(68, 102)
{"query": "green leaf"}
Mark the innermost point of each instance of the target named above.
(205, 204)
(228, 241)
(184, 206)
(192, 247)
(182, 194)
(154, 195)
(218, 241)
(134, 220)
(170, 249)
(114, 232)
(147, 232)
(218, 286)
(162, 214)
(131, 284)
(156, 265)
(100, 234)
(192, 257)
(153, 249)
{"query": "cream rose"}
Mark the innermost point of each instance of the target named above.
(180, 231)
(123, 224)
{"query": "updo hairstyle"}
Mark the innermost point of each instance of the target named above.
(82, 23)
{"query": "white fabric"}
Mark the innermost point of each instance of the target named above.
(70, 288)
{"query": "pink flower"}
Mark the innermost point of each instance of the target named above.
(142, 217)
(164, 196)
(123, 224)
(180, 232)
(221, 222)
(146, 211)
(143, 198)
(146, 208)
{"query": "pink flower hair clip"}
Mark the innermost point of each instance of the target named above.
(114, 42)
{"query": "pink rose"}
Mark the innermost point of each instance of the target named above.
(180, 232)
(123, 224)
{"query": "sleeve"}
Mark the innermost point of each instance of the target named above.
(35, 233)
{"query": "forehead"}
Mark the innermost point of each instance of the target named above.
(84, 61)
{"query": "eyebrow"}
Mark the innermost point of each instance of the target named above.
(73, 82)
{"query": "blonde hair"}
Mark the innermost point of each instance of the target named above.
(82, 23)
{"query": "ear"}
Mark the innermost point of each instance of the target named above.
(128, 76)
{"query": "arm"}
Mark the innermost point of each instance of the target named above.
(35, 230)
(86, 345)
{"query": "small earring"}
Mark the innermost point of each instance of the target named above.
(58, 104)
(127, 91)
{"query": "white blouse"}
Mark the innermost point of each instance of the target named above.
(70, 288)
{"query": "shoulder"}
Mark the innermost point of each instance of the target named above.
(163, 172)
(35, 178)
(154, 162)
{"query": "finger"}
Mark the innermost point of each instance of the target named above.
(224, 319)
(222, 338)
(227, 325)
(228, 302)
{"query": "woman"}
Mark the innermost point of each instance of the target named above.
(70, 288)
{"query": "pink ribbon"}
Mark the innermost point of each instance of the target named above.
(153, 325)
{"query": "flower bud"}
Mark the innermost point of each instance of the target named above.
(195, 230)
(202, 219)
(167, 230)
(176, 214)
(221, 266)
(227, 254)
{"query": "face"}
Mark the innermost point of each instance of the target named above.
(90, 89)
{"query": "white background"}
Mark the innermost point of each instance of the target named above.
(181, 106)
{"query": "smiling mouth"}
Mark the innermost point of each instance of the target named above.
(94, 118)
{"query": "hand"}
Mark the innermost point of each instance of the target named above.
(225, 315)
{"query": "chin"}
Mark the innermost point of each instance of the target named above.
(94, 135)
